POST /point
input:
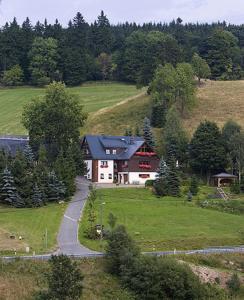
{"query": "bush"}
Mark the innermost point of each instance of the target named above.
(154, 278)
(64, 280)
(13, 77)
(234, 283)
(149, 183)
(235, 188)
(120, 250)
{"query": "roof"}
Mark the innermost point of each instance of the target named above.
(13, 143)
(225, 175)
(99, 143)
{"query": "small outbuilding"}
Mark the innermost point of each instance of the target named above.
(224, 179)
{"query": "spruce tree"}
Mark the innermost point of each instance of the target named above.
(55, 188)
(9, 194)
(66, 171)
(147, 133)
(128, 132)
(194, 188)
(173, 180)
(37, 197)
(161, 183)
(28, 153)
(137, 131)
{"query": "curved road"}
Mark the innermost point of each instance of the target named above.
(68, 241)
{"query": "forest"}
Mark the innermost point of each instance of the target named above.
(41, 53)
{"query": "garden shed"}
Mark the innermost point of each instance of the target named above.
(223, 179)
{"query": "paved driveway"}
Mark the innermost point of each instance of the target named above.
(68, 241)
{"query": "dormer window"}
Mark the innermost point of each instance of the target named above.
(107, 151)
(114, 151)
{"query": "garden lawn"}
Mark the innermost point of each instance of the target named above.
(93, 96)
(165, 223)
(31, 224)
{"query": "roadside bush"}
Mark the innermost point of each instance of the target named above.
(65, 280)
(120, 250)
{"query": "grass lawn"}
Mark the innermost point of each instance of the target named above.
(166, 223)
(94, 96)
(31, 224)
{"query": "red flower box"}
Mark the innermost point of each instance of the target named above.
(145, 166)
(146, 153)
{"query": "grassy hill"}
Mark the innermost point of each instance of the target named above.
(94, 96)
(217, 101)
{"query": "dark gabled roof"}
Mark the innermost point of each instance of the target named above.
(99, 143)
(11, 144)
(224, 175)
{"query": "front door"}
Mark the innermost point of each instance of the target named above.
(126, 178)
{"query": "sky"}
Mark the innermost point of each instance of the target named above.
(232, 11)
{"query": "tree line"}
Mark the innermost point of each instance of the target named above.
(41, 53)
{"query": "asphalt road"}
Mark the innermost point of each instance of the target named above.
(68, 241)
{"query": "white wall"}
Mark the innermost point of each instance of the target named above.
(89, 169)
(134, 177)
(106, 172)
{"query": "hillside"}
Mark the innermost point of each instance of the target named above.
(217, 101)
(93, 96)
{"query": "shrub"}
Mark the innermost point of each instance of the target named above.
(235, 188)
(120, 250)
(64, 280)
(234, 283)
(13, 77)
(149, 183)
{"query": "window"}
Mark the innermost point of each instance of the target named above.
(114, 151)
(110, 176)
(101, 176)
(104, 164)
(144, 175)
(107, 151)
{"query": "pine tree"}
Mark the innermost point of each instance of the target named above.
(163, 169)
(37, 197)
(28, 153)
(128, 132)
(55, 188)
(9, 194)
(66, 171)
(161, 183)
(147, 133)
(194, 189)
(173, 180)
(137, 131)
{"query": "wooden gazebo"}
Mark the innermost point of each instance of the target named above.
(223, 179)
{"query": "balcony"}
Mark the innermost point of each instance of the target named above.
(146, 167)
(148, 154)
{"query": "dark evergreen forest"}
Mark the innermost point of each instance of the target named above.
(41, 53)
